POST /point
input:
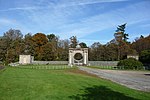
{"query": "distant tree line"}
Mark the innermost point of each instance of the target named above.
(50, 47)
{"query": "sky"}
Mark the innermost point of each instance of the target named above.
(90, 20)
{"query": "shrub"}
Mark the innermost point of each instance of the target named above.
(145, 56)
(130, 63)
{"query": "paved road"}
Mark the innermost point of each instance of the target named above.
(139, 80)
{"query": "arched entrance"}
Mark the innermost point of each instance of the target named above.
(78, 56)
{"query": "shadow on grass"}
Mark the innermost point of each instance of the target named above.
(100, 93)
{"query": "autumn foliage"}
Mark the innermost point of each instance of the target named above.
(50, 47)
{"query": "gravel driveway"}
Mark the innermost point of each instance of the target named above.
(139, 80)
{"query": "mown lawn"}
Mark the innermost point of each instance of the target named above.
(68, 84)
(103, 67)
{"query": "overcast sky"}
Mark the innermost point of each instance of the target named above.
(90, 20)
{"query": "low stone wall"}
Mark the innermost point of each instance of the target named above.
(92, 63)
(51, 62)
(103, 63)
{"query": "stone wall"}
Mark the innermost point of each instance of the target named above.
(51, 62)
(103, 63)
(92, 63)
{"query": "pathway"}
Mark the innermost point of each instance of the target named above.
(139, 80)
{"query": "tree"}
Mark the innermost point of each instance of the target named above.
(13, 45)
(29, 47)
(63, 47)
(121, 32)
(145, 56)
(121, 40)
(11, 56)
(13, 34)
(39, 39)
(74, 42)
(52, 37)
(54, 40)
(3, 49)
(96, 52)
(48, 52)
(110, 52)
(83, 45)
(142, 43)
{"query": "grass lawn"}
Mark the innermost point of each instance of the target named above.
(68, 84)
(102, 67)
(114, 68)
(45, 66)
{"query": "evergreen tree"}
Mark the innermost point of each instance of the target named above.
(74, 42)
(120, 32)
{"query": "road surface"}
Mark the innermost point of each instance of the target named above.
(139, 80)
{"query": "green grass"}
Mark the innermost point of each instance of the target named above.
(115, 68)
(45, 66)
(103, 67)
(68, 84)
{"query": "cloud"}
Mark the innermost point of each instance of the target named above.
(60, 4)
(60, 18)
(133, 15)
(74, 17)
(23, 8)
(66, 3)
(8, 24)
(4, 21)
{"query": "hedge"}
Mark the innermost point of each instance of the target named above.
(130, 63)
